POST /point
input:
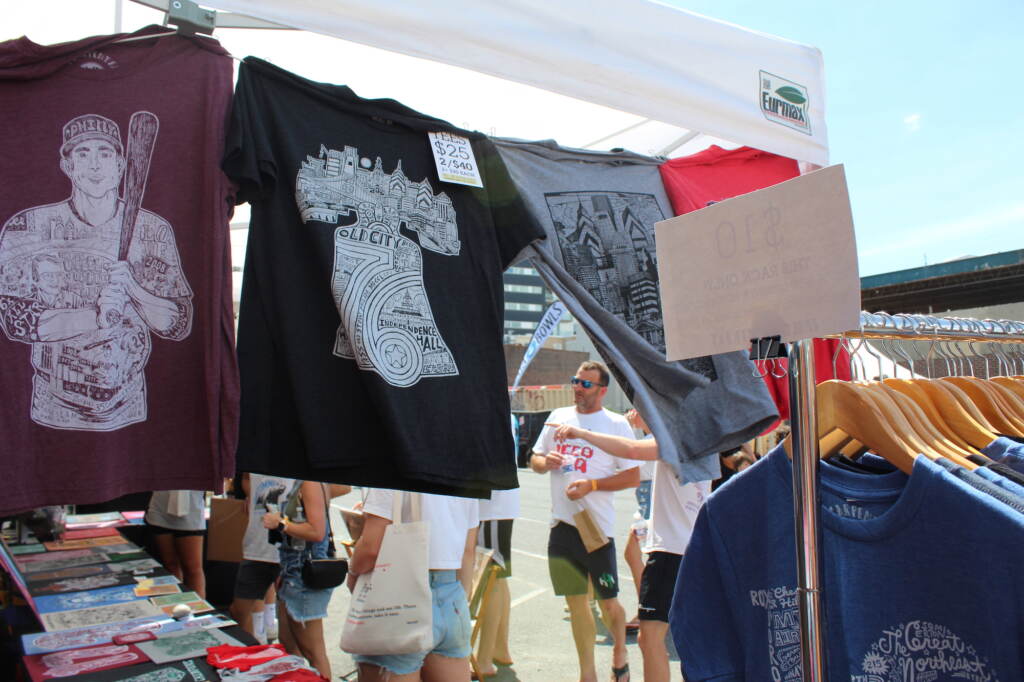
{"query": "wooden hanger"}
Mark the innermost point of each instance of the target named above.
(973, 438)
(1011, 384)
(848, 408)
(988, 403)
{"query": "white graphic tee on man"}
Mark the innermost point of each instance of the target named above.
(583, 460)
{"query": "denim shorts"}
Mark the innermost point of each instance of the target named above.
(302, 603)
(451, 628)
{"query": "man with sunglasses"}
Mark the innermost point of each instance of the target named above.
(585, 477)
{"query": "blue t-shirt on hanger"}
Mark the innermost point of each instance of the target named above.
(906, 594)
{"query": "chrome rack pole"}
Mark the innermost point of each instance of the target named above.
(803, 424)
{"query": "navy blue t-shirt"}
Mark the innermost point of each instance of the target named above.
(907, 595)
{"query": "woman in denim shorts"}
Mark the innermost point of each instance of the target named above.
(453, 523)
(302, 525)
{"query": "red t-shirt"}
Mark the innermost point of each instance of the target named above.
(715, 174)
(116, 320)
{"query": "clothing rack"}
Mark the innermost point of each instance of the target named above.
(805, 448)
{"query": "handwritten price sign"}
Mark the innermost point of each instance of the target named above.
(455, 160)
(780, 261)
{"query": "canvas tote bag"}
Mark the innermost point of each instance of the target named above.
(391, 608)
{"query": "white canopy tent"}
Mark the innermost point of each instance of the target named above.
(685, 74)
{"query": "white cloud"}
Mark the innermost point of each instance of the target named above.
(913, 122)
(952, 230)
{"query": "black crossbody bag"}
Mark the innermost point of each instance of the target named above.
(323, 574)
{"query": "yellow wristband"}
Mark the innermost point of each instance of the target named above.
(593, 484)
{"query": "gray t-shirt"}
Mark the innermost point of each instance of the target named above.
(177, 509)
(598, 210)
(265, 493)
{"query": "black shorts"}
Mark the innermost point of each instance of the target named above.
(657, 585)
(570, 564)
(254, 578)
(160, 530)
(497, 535)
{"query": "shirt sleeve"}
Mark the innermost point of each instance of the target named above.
(378, 502)
(545, 441)
(473, 514)
(515, 226)
(700, 616)
(247, 158)
(623, 429)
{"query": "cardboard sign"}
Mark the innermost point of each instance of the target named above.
(779, 261)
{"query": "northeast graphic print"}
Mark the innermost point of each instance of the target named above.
(607, 243)
(85, 281)
(387, 325)
(919, 651)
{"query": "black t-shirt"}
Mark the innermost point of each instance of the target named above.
(370, 330)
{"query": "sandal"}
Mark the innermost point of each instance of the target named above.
(620, 674)
(498, 661)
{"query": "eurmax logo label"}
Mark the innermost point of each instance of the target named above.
(785, 102)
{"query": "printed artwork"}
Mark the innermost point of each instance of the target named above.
(97, 615)
(607, 244)
(154, 590)
(93, 519)
(73, 572)
(86, 281)
(55, 556)
(85, 542)
(82, 533)
(82, 600)
(47, 563)
(45, 642)
(130, 554)
(919, 650)
(179, 646)
(387, 323)
(134, 566)
(167, 602)
(91, 582)
(165, 674)
(75, 662)
(34, 548)
(158, 580)
(783, 631)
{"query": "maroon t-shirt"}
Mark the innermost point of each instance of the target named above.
(116, 322)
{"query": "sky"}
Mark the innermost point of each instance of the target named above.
(924, 104)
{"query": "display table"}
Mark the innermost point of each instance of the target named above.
(103, 608)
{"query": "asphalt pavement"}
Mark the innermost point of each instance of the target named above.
(540, 637)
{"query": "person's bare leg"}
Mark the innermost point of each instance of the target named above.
(438, 668)
(372, 673)
(655, 653)
(490, 624)
(168, 554)
(501, 651)
(635, 558)
(190, 553)
(284, 630)
(309, 635)
(614, 617)
(242, 610)
(584, 632)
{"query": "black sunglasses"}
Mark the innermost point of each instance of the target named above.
(586, 383)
